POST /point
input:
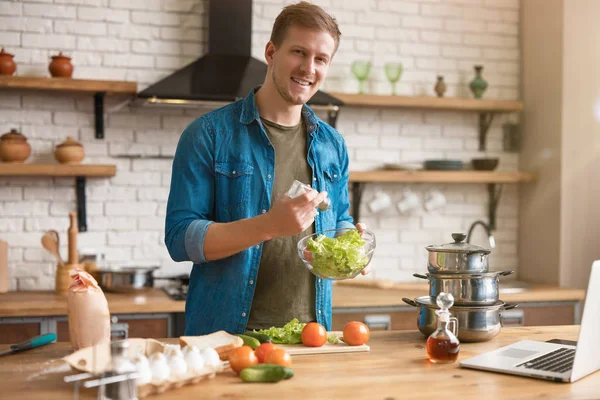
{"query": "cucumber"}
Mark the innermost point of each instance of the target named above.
(260, 336)
(288, 371)
(250, 341)
(264, 373)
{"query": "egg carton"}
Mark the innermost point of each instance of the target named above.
(95, 360)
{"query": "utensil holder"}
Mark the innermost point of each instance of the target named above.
(63, 279)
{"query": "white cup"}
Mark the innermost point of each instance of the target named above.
(410, 201)
(381, 201)
(435, 199)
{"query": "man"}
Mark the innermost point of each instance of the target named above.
(228, 211)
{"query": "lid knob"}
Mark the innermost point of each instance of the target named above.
(458, 237)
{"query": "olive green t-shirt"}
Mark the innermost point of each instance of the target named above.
(285, 288)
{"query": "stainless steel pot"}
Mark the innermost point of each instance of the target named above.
(127, 279)
(475, 324)
(467, 289)
(457, 257)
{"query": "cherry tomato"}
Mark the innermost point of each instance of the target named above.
(314, 335)
(263, 351)
(356, 333)
(242, 357)
(279, 357)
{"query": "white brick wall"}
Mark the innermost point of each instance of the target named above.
(145, 40)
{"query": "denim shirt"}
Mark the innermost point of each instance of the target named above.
(223, 172)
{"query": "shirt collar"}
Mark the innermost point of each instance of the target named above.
(249, 113)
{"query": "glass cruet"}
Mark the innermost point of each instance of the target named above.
(443, 345)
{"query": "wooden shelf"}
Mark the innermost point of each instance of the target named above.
(430, 102)
(68, 85)
(441, 176)
(83, 170)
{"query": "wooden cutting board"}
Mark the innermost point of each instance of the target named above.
(327, 348)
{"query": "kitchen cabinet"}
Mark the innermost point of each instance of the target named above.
(159, 325)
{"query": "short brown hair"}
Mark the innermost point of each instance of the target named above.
(306, 15)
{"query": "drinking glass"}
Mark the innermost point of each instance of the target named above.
(393, 71)
(361, 70)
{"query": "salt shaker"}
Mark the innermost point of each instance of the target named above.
(120, 365)
(299, 188)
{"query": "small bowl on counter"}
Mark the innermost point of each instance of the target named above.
(337, 254)
(485, 164)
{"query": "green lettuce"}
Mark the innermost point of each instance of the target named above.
(339, 257)
(290, 333)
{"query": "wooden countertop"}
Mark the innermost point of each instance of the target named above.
(360, 294)
(396, 367)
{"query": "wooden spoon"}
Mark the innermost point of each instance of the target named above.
(50, 242)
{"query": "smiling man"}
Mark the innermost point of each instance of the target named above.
(228, 211)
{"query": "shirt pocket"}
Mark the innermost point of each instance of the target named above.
(232, 188)
(332, 185)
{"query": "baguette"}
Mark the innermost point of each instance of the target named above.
(221, 341)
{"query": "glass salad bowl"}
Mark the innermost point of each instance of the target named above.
(337, 254)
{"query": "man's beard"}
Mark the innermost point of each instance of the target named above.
(282, 92)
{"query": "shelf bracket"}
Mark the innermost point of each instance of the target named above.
(494, 193)
(81, 209)
(357, 192)
(485, 120)
(332, 116)
(99, 114)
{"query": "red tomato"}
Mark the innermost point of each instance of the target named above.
(356, 333)
(262, 352)
(314, 335)
(242, 357)
(279, 357)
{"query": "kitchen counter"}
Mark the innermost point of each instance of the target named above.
(345, 295)
(396, 367)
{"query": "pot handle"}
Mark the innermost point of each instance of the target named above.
(506, 273)
(509, 306)
(410, 302)
(420, 276)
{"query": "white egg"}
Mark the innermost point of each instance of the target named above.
(188, 349)
(159, 367)
(145, 374)
(194, 360)
(172, 349)
(211, 357)
(178, 367)
(141, 360)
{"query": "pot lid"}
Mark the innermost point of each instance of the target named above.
(4, 53)
(60, 55)
(70, 142)
(428, 302)
(13, 135)
(458, 246)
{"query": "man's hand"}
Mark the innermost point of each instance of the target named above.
(288, 216)
(361, 227)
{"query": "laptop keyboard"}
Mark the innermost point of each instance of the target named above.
(560, 360)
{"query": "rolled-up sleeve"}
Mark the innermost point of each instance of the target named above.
(344, 219)
(191, 196)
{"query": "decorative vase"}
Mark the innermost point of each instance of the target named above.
(478, 85)
(60, 66)
(69, 152)
(440, 86)
(7, 64)
(14, 147)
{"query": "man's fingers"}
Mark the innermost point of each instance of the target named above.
(319, 199)
(304, 198)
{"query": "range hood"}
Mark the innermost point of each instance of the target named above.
(228, 71)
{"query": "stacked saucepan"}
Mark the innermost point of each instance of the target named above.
(462, 269)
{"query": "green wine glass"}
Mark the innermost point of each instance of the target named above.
(393, 72)
(361, 70)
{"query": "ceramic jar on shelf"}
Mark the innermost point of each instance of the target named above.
(14, 147)
(60, 66)
(69, 152)
(7, 64)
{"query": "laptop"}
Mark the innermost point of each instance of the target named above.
(551, 361)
